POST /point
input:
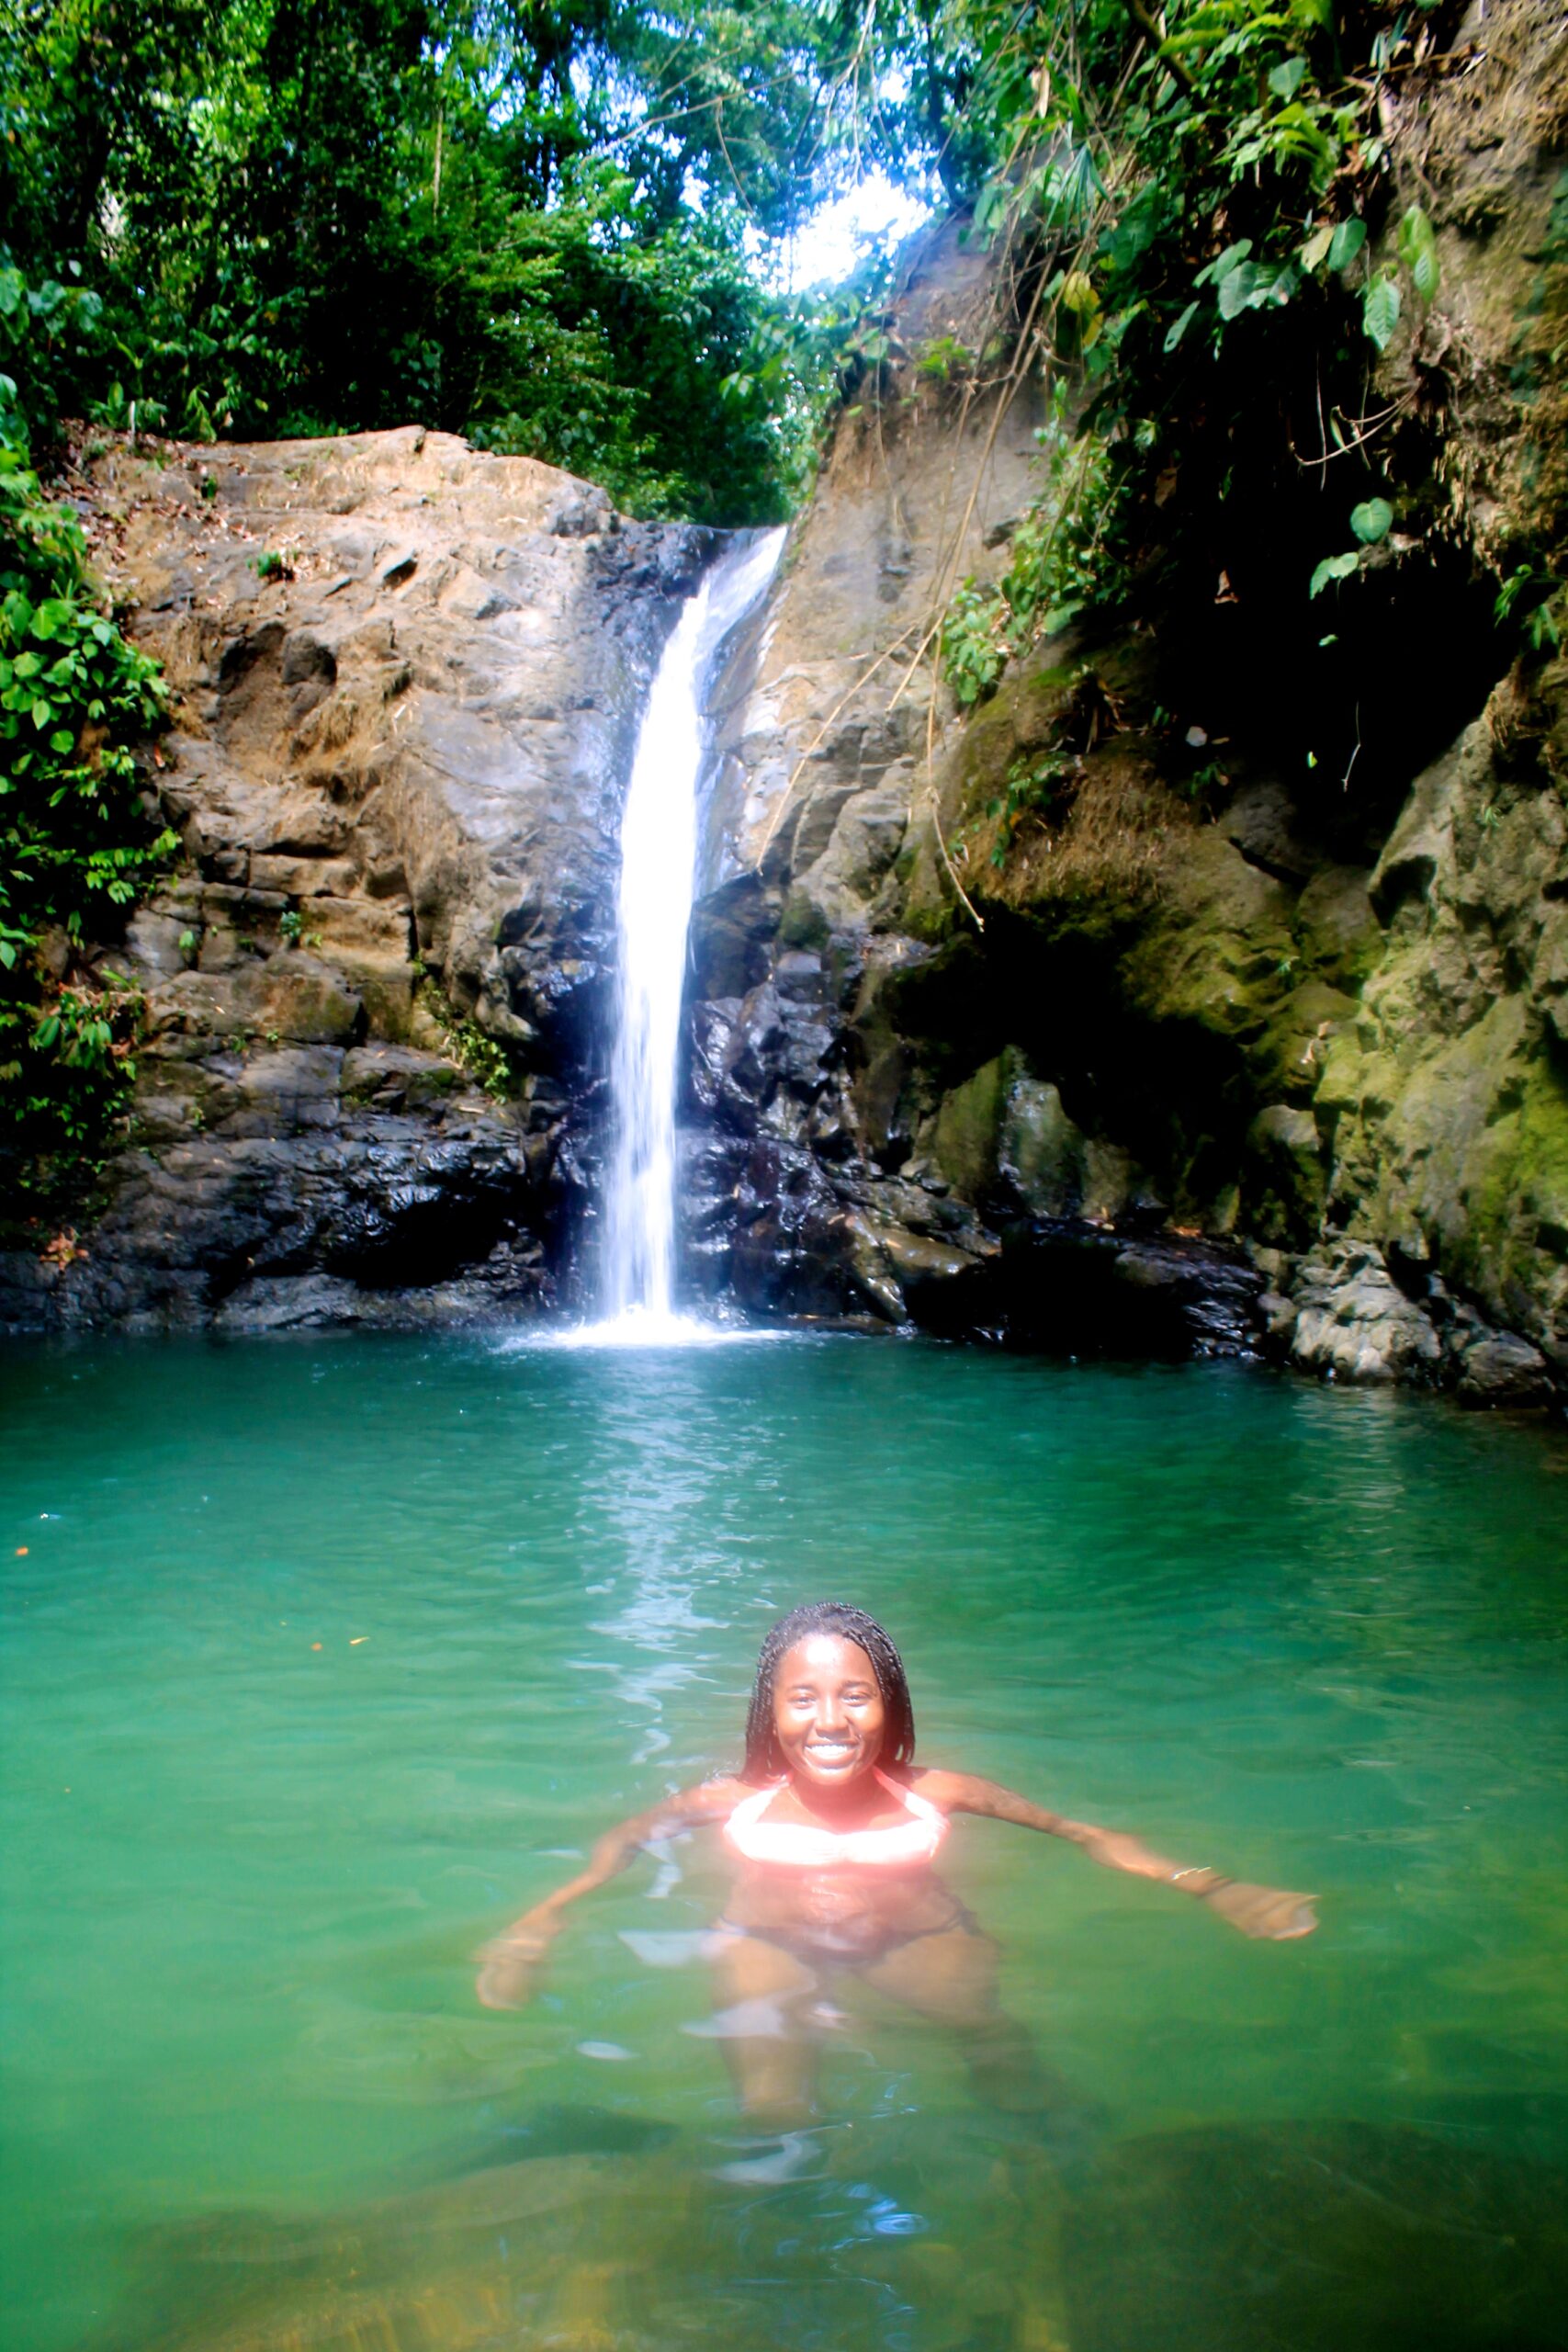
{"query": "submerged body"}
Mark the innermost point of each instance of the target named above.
(836, 1831)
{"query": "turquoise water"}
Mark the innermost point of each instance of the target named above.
(322, 1660)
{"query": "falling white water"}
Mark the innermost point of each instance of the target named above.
(658, 849)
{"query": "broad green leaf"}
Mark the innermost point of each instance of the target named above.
(1346, 242)
(1175, 335)
(1225, 263)
(1236, 289)
(1314, 253)
(1379, 310)
(1060, 616)
(1286, 80)
(1418, 251)
(992, 203)
(1370, 520)
(1334, 567)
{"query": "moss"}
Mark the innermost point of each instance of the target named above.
(1290, 1055)
(1341, 936)
(1519, 1199)
(803, 922)
(968, 1127)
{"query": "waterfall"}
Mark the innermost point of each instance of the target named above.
(658, 847)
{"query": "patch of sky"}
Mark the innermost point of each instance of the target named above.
(830, 244)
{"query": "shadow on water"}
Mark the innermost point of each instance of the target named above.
(1327, 2237)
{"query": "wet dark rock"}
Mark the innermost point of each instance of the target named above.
(281, 1220)
(732, 930)
(1079, 1290)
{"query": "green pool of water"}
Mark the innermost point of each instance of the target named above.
(320, 1660)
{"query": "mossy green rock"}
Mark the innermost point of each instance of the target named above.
(1449, 1106)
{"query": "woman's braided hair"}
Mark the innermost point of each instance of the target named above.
(764, 1760)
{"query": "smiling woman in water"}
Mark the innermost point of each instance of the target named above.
(836, 1829)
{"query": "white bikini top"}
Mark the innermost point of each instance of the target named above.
(803, 1847)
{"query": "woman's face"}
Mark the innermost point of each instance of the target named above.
(828, 1711)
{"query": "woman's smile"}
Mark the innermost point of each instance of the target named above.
(829, 1715)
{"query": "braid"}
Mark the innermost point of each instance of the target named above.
(764, 1761)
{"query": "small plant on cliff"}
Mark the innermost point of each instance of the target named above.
(1537, 603)
(1038, 787)
(1064, 556)
(76, 845)
(483, 1056)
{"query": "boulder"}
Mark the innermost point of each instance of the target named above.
(1500, 1368)
(1351, 1322)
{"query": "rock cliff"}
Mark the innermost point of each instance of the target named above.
(1043, 1021)
(408, 677)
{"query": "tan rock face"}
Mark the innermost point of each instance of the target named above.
(828, 714)
(407, 681)
(874, 1083)
(434, 711)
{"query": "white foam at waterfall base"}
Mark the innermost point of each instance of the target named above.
(640, 1326)
(658, 851)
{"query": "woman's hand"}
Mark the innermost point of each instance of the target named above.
(1261, 1910)
(512, 1966)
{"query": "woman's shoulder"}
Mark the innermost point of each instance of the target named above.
(945, 1789)
(960, 1792)
(713, 1800)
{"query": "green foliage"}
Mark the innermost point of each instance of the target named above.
(1200, 191)
(1531, 596)
(1371, 520)
(974, 650)
(483, 1056)
(75, 845)
(256, 217)
(1380, 310)
(1370, 523)
(1418, 251)
(1334, 567)
(483, 1059)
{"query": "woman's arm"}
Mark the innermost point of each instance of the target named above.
(1255, 1910)
(512, 1962)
